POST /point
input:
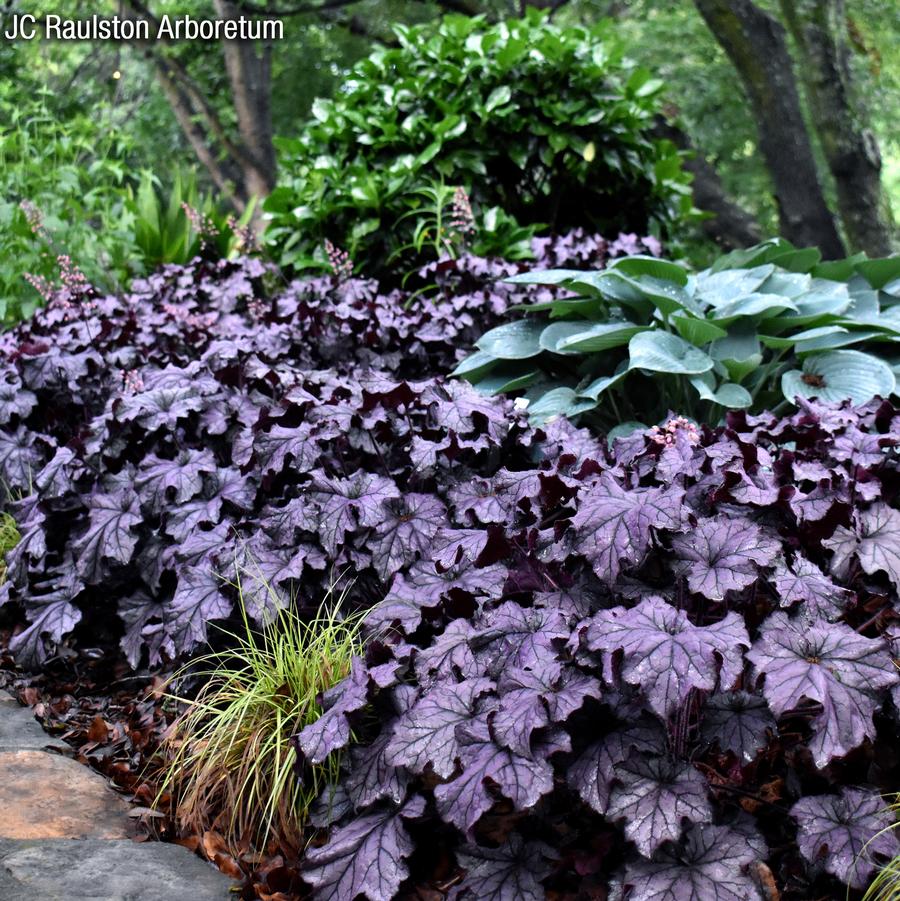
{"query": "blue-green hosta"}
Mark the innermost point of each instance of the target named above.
(645, 336)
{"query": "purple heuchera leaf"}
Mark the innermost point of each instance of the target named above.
(109, 535)
(532, 698)
(409, 524)
(874, 540)
(721, 555)
(828, 663)
(591, 775)
(53, 615)
(805, 584)
(737, 721)
(846, 831)
(665, 654)
(709, 863)
(198, 600)
(426, 735)
(364, 858)
(372, 778)
(463, 800)
(331, 731)
(512, 872)
(613, 526)
(654, 795)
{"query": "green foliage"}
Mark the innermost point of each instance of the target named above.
(230, 764)
(73, 173)
(164, 233)
(9, 538)
(547, 124)
(644, 336)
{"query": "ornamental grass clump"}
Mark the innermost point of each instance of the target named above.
(886, 884)
(229, 763)
(9, 538)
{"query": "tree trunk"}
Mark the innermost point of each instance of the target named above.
(250, 77)
(731, 226)
(756, 45)
(819, 29)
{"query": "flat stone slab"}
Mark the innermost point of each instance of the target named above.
(20, 731)
(64, 870)
(45, 795)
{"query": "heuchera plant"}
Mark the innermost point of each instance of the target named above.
(658, 671)
(154, 439)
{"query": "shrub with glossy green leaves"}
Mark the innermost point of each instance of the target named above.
(644, 336)
(541, 125)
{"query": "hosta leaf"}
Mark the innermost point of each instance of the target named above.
(514, 340)
(664, 654)
(721, 556)
(834, 341)
(654, 795)
(474, 366)
(663, 352)
(832, 665)
(825, 331)
(695, 330)
(721, 286)
(824, 301)
(848, 831)
(601, 384)
(365, 857)
(588, 337)
(738, 351)
(765, 306)
(879, 272)
(666, 295)
(663, 270)
(559, 401)
(544, 277)
(710, 862)
(736, 397)
(506, 378)
(839, 375)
